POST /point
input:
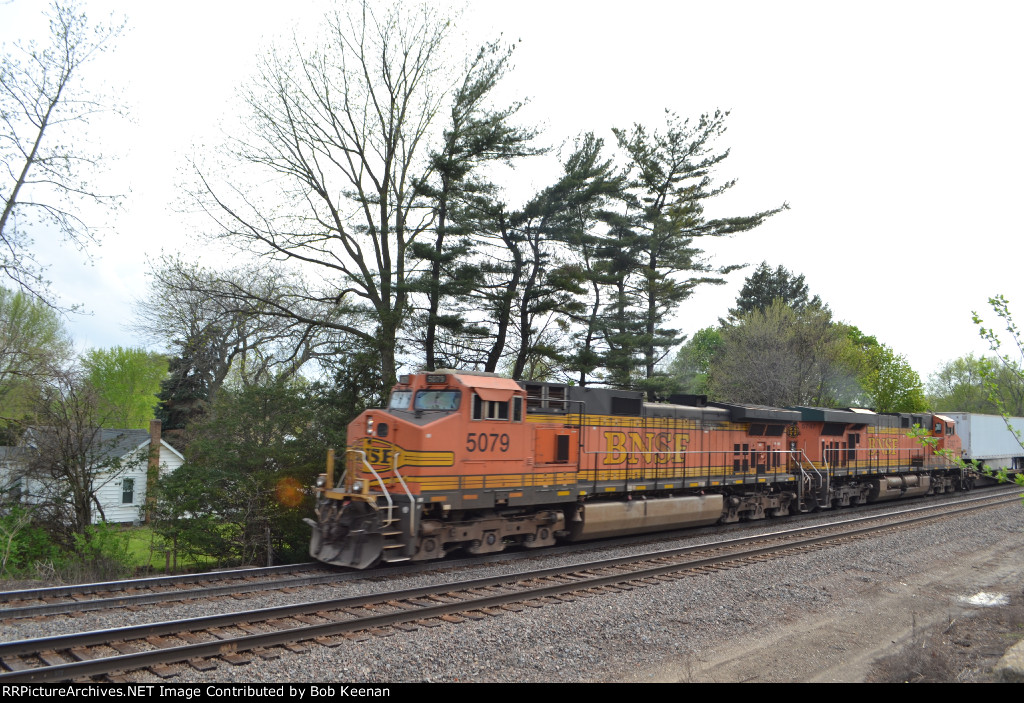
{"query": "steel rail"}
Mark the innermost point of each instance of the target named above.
(151, 582)
(136, 599)
(229, 589)
(217, 647)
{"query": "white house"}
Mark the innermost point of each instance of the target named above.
(121, 494)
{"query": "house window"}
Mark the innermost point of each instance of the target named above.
(14, 492)
(128, 491)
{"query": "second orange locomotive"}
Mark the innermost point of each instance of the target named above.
(479, 462)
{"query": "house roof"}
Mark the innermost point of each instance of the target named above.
(117, 443)
(13, 453)
(112, 443)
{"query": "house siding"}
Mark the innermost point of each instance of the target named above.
(108, 489)
(110, 494)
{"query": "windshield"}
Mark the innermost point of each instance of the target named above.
(437, 400)
(400, 400)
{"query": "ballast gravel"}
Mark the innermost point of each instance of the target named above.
(674, 630)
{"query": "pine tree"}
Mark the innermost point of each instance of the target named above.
(590, 227)
(476, 134)
(764, 286)
(670, 178)
(189, 388)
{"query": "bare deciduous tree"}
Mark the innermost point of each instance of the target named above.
(71, 456)
(254, 323)
(338, 140)
(781, 357)
(46, 165)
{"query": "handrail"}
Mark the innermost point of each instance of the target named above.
(804, 475)
(412, 501)
(384, 489)
(667, 453)
(826, 464)
(800, 464)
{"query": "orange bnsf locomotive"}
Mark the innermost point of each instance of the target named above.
(475, 461)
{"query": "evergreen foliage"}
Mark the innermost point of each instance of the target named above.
(764, 286)
(670, 176)
(477, 134)
(592, 219)
(185, 392)
(405, 242)
(240, 497)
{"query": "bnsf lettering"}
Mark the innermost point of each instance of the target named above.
(883, 444)
(649, 447)
(379, 456)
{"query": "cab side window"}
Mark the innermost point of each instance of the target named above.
(489, 409)
(497, 409)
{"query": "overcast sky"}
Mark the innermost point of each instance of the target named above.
(892, 130)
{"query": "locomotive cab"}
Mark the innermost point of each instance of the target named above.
(450, 445)
(943, 429)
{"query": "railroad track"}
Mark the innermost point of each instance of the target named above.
(136, 593)
(159, 589)
(246, 635)
(107, 587)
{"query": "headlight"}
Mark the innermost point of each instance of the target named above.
(321, 480)
(357, 486)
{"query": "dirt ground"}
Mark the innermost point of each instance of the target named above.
(919, 628)
(965, 649)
